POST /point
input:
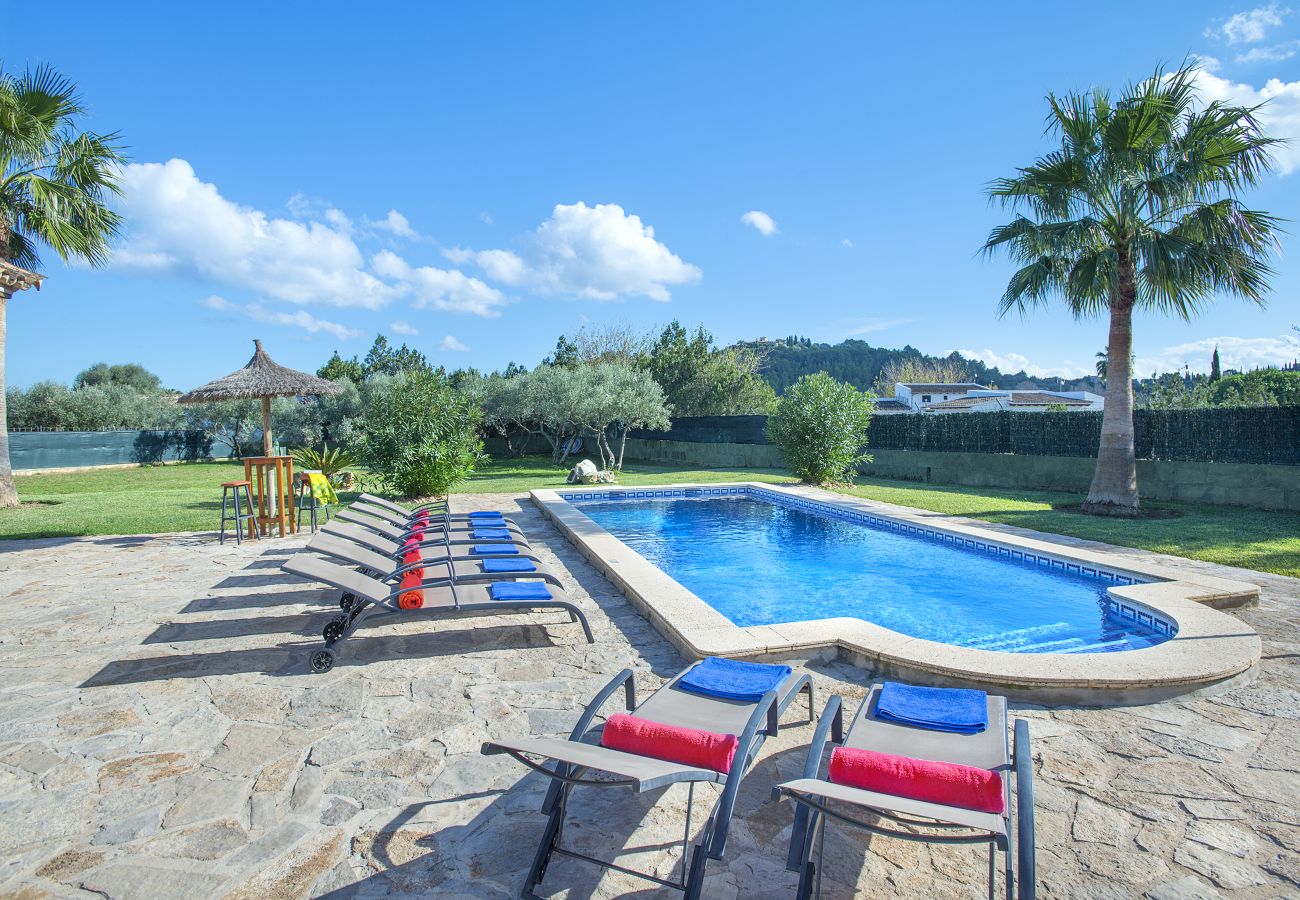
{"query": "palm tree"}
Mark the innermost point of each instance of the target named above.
(1103, 363)
(1137, 209)
(54, 181)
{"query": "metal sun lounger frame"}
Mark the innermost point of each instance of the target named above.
(574, 757)
(376, 598)
(922, 821)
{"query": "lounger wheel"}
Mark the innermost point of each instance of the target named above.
(334, 629)
(321, 661)
(346, 601)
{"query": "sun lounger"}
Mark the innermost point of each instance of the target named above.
(672, 705)
(456, 534)
(819, 799)
(472, 570)
(448, 524)
(377, 598)
(432, 551)
(435, 509)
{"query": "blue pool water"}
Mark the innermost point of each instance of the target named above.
(760, 563)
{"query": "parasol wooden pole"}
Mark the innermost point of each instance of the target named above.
(266, 426)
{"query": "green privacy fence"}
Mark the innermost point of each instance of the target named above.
(1265, 435)
(70, 449)
(1268, 435)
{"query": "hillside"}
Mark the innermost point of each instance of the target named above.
(787, 359)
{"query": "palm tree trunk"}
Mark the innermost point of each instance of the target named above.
(1114, 490)
(8, 490)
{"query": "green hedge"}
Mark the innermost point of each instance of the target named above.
(1240, 435)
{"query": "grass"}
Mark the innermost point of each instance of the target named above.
(143, 500)
(188, 498)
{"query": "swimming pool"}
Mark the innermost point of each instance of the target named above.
(760, 561)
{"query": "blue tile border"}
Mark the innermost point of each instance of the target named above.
(1140, 615)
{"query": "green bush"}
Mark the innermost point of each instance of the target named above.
(420, 435)
(820, 426)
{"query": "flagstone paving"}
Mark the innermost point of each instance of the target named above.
(159, 736)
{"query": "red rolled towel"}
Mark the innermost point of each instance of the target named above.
(411, 596)
(951, 784)
(410, 558)
(687, 746)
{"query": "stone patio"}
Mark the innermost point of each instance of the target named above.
(161, 737)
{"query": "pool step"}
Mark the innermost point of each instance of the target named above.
(1013, 640)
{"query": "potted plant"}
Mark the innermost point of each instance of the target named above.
(330, 463)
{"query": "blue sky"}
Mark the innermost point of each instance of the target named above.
(475, 180)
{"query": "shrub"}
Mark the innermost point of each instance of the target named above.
(328, 462)
(421, 434)
(820, 426)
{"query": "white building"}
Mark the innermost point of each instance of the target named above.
(964, 398)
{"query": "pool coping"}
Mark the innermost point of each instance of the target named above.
(1209, 648)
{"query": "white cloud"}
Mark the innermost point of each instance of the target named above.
(297, 319)
(406, 328)
(445, 289)
(596, 252)
(761, 222)
(450, 343)
(872, 325)
(846, 243)
(1010, 363)
(300, 319)
(1276, 53)
(1249, 27)
(1280, 117)
(485, 217)
(394, 223)
(181, 225)
(218, 304)
(1239, 353)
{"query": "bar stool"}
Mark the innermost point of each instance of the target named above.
(307, 500)
(239, 518)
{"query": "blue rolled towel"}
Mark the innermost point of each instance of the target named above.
(956, 710)
(509, 565)
(490, 534)
(486, 514)
(733, 679)
(520, 590)
(494, 550)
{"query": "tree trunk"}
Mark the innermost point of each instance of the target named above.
(8, 490)
(1114, 490)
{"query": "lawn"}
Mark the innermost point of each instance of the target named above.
(188, 498)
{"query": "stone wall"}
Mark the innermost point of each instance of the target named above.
(1232, 484)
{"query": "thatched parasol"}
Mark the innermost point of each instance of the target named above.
(261, 379)
(14, 279)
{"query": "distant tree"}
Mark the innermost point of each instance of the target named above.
(55, 184)
(820, 427)
(1137, 209)
(1103, 357)
(129, 375)
(339, 368)
(920, 370)
(699, 379)
(1215, 372)
(232, 422)
(513, 369)
(565, 355)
